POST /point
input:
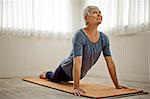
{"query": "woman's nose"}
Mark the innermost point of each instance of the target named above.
(101, 17)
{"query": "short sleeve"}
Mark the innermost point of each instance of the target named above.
(77, 44)
(106, 47)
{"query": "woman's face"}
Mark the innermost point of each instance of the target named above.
(95, 17)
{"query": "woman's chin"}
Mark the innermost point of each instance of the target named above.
(99, 22)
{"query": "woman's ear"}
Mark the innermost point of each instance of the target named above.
(87, 19)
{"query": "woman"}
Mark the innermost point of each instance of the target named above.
(87, 46)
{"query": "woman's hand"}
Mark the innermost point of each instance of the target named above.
(78, 92)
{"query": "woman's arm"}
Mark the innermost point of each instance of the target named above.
(77, 64)
(112, 71)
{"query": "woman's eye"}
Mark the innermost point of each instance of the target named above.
(99, 12)
(94, 12)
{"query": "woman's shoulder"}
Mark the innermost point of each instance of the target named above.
(103, 35)
(78, 34)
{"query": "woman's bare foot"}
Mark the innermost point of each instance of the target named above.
(43, 75)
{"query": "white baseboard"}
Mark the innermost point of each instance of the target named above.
(19, 74)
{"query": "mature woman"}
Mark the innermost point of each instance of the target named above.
(87, 46)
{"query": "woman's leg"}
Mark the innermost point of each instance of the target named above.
(58, 76)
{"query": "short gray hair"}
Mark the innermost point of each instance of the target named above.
(88, 10)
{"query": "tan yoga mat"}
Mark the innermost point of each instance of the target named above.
(91, 89)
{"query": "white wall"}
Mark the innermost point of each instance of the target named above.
(30, 56)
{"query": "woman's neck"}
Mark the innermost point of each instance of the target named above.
(91, 30)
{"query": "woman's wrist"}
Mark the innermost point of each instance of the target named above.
(118, 86)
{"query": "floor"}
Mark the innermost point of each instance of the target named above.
(15, 88)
